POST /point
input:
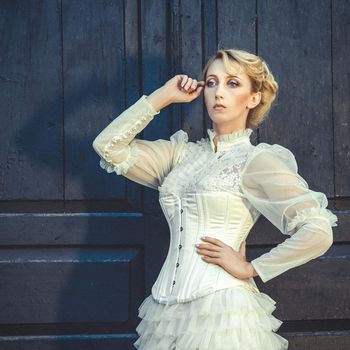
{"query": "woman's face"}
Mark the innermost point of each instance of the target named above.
(234, 92)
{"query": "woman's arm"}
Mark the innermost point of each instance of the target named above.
(145, 162)
(270, 181)
(159, 99)
(142, 161)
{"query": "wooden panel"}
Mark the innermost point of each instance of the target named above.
(133, 84)
(62, 263)
(69, 342)
(30, 98)
(191, 65)
(341, 93)
(300, 32)
(94, 92)
(297, 341)
(55, 229)
(175, 57)
(66, 284)
(320, 341)
(236, 24)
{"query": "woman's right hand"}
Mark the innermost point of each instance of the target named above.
(191, 88)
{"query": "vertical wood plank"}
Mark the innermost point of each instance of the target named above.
(133, 84)
(31, 101)
(191, 64)
(94, 92)
(294, 37)
(341, 93)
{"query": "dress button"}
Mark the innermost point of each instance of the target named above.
(181, 211)
(173, 282)
(177, 264)
(181, 228)
(180, 246)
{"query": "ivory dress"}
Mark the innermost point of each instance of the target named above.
(196, 305)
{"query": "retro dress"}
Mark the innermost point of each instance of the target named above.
(219, 192)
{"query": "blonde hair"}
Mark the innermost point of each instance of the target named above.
(260, 76)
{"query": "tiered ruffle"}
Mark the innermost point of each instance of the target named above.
(304, 215)
(230, 318)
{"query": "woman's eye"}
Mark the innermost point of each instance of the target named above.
(231, 81)
(236, 84)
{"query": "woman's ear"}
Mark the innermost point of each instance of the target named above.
(255, 99)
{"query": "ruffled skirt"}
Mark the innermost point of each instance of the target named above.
(231, 318)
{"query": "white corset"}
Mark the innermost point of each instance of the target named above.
(184, 275)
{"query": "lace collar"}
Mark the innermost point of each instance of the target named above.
(225, 141)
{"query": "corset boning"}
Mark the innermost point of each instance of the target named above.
(184, 275)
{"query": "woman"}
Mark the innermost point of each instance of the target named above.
(212, 192)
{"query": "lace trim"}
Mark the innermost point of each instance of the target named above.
(305, 214)
(231, 136)
(123, 167)
(202, 169)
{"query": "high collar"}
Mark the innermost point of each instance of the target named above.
(225, 141)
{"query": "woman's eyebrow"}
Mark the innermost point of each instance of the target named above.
(227, 75)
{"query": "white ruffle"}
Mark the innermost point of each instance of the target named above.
(230, 318)
(180, 138)
(123, 167)
(305, 214)
(220, 173)
(230, 137)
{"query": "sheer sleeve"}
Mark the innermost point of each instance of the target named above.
(270, 181)
(142, 161)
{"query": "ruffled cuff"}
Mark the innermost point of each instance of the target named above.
(123, 167)
(305, 214)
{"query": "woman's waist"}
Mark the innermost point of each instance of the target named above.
(188, 284)
(188, 239)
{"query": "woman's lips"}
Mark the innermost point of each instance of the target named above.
(219, 107)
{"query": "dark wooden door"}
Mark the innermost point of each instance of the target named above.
(81, 248)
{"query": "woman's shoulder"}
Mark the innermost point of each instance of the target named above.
(269, 147)
(265, 154)
(181, 136)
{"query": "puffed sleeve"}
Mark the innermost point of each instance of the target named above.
(270, 181)
(142, 161)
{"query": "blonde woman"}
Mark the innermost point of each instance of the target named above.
(212, 191)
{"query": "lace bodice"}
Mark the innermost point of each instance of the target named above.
(201, 169)
(243, 180)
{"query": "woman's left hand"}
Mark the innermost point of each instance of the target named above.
(217, 252)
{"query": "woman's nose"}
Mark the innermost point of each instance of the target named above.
(218, 92)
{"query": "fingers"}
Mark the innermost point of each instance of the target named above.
(211, 247)
(211, 253)
(213, 241)
(190, 84)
